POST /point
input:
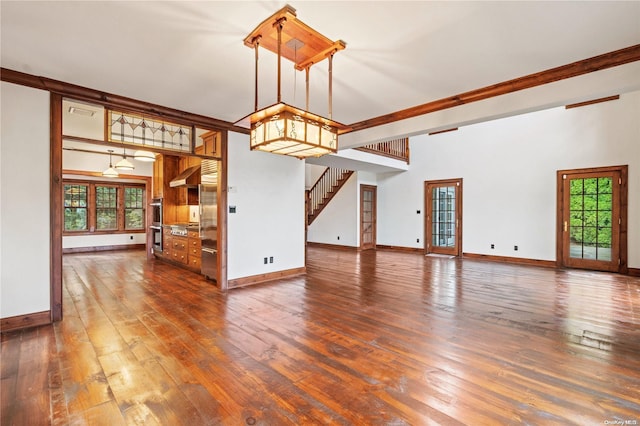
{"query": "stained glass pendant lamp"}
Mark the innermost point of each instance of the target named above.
(281, 128)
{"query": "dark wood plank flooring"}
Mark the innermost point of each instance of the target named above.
(371, 338)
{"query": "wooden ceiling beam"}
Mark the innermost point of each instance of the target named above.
(596, 63)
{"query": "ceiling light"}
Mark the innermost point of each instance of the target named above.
(110, 172)
(282, 128)
(124, 164)
(146, 156)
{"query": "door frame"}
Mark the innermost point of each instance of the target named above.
(428, 209)
(623, 207)
(374, 212)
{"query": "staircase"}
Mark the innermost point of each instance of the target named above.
(325, 188)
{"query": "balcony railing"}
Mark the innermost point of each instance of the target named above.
(395, 148)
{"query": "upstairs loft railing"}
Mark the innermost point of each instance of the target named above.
(324, 190)
(395, 148)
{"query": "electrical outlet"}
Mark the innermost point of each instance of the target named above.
(131, 237)
(271, 259)
(493, 246)
(265, 260)
(338, 236)
(417, 211)
(515, 248)
(417, 240)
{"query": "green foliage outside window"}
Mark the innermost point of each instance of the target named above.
(106, 207)
(99, 206)
(590, 211)
(133, 208)
(75, 207)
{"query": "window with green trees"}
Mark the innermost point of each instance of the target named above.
(106, 207)
(591, 217)
(103, 207)
(75, 207)
(133, 208)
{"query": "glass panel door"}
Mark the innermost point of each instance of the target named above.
(367, 217)
(444, 218)
(591, 220)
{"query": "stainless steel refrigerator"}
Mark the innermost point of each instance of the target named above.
(208, 196)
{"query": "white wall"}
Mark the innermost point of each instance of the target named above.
(268, 193)
(24, 201)
(341, 217)
(508, 167)
(338, 223)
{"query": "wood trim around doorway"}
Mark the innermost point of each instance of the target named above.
(624, 200)
(427, 209)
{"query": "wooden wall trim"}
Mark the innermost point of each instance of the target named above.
(103, 248)
(114, 101)
(56, 205)
(20, 322)
(400, 248)
(332, 246)
(270, 276)
(223, 212)
(575, 69)
(507, 259)
(634, 272)
(592, 101)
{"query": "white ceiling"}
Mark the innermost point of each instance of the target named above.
(191, 56)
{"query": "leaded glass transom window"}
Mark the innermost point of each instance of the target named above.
(145, 132)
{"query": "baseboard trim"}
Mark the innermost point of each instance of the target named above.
(507, 259)
(270, 276)
(20, 322)
(400, 248)
(634, 272)
(332, 246)
(103, 248)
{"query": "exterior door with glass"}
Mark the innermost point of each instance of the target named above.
(592, 216)
(443, 221)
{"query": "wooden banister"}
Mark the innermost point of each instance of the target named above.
(395, 148)
(325, 188)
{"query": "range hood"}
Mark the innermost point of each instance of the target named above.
(188, 178)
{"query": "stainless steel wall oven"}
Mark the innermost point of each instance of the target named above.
(156, 224)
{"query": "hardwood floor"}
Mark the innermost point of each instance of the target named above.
(370, 338)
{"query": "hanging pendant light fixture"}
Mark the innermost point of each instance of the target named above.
(124, 164)
(282, 128)
(146, 156)
(110, 172)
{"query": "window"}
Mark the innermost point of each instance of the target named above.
(106, 208)
(99, 207)
(75, 207)
(133, 208)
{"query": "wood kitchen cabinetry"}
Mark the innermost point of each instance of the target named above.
(165, 168)
(194, 247)
(211, 145)
(183, 250)
(187, 195)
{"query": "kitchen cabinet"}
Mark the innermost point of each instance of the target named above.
(186, 195)
(211, 145)
(179, 252)
(195, 247)
(182, 250)
(166, 168)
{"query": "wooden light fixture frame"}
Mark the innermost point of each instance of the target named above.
(286, 36)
